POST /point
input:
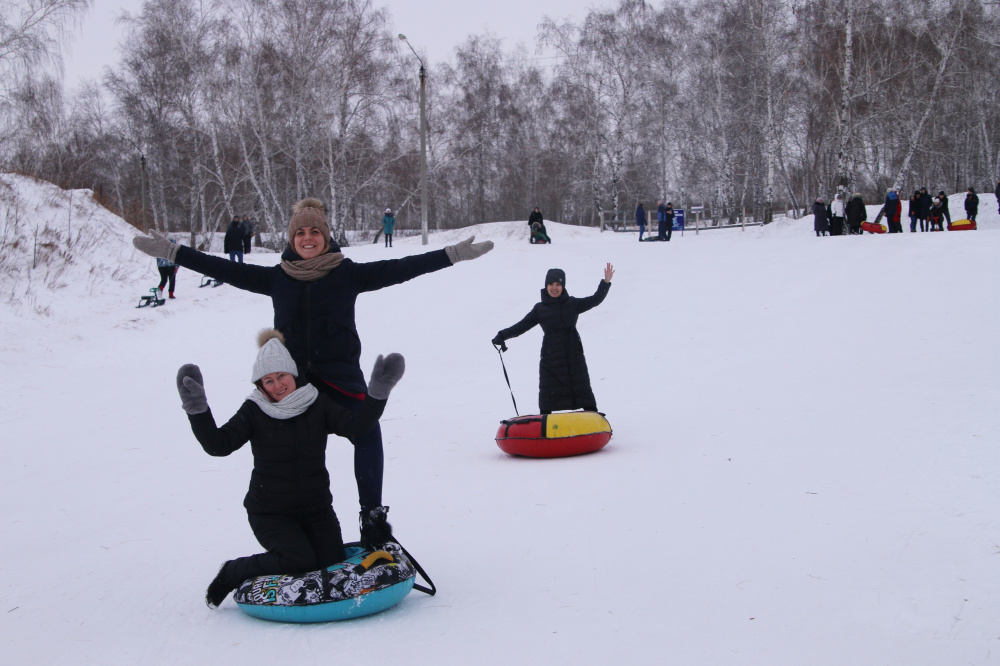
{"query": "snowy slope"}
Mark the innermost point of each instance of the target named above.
(803, 470)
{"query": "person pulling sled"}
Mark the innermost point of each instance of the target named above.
(563, 379)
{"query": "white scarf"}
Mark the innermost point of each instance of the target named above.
(296, 403)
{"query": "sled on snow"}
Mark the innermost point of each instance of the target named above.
(207, 281)
(154, 299)
(873, 227)
(554, 435)
(367, 582)
(962, 225)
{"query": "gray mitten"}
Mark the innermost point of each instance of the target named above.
(466, 250)
(385, 374)
(156, 245)
(191, 388)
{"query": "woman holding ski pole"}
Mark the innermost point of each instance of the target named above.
(563, 378)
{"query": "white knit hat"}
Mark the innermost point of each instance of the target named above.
(273, 356)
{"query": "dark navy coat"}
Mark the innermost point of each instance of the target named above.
(234, 237)
(317, 318)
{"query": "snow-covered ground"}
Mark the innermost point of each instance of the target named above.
(804, 468)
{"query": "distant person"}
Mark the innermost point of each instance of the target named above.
(388, 226)
(821, 221)
(912, 211)
(892, 209)
(837, 216)
(997, 192)
(856, 213)
(535, 216)
(233, 243)
(944, 205)
(935, 217)
(536, 227)
(668, 221)
(971, 204)
(640, 219)
(247, 227)
(563, 378)
(168, 272)
(924, 206)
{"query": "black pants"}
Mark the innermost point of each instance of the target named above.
(369, 460)
(388, 240)
(167, 273)
(664, 231)
(294, 545)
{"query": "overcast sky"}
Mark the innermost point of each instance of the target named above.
(434, 27)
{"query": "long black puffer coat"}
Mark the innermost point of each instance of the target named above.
(233, 242)
(289, 455)
(317, 318)
(563, 379)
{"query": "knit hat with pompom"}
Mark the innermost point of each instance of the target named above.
(309, 213)
(273, 355)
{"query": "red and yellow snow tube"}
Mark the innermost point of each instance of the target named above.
(873, 228)
(554, 435)
(962, 225)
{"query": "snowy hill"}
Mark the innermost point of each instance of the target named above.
(803, 470)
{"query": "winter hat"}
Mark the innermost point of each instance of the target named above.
(388, 211)
(273, 356)
(555, 275)
(942, 194)
(308, 213)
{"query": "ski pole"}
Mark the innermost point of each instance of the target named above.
(500, 349)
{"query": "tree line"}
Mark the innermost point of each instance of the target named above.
(743, 106)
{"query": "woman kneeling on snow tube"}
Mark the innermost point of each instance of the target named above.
(289, 505)
(563, 379)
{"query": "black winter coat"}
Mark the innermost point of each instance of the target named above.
(563, 379)
(924, 205)
(234, 238)
(289, 455)
(971, 203)
(855, 211)
(317, 318)
(535, 216)
(821, 217)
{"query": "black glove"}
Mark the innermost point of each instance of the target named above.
(191, 388)
(385, 374)
(499, 342)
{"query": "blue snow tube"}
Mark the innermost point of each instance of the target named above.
(367, 582)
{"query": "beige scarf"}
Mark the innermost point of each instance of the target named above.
(310, 270)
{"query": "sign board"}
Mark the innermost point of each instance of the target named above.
(679, 219)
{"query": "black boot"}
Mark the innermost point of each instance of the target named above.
(219, 588)
(375, 531)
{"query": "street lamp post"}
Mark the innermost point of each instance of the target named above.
(142, 165)
(423, 144)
